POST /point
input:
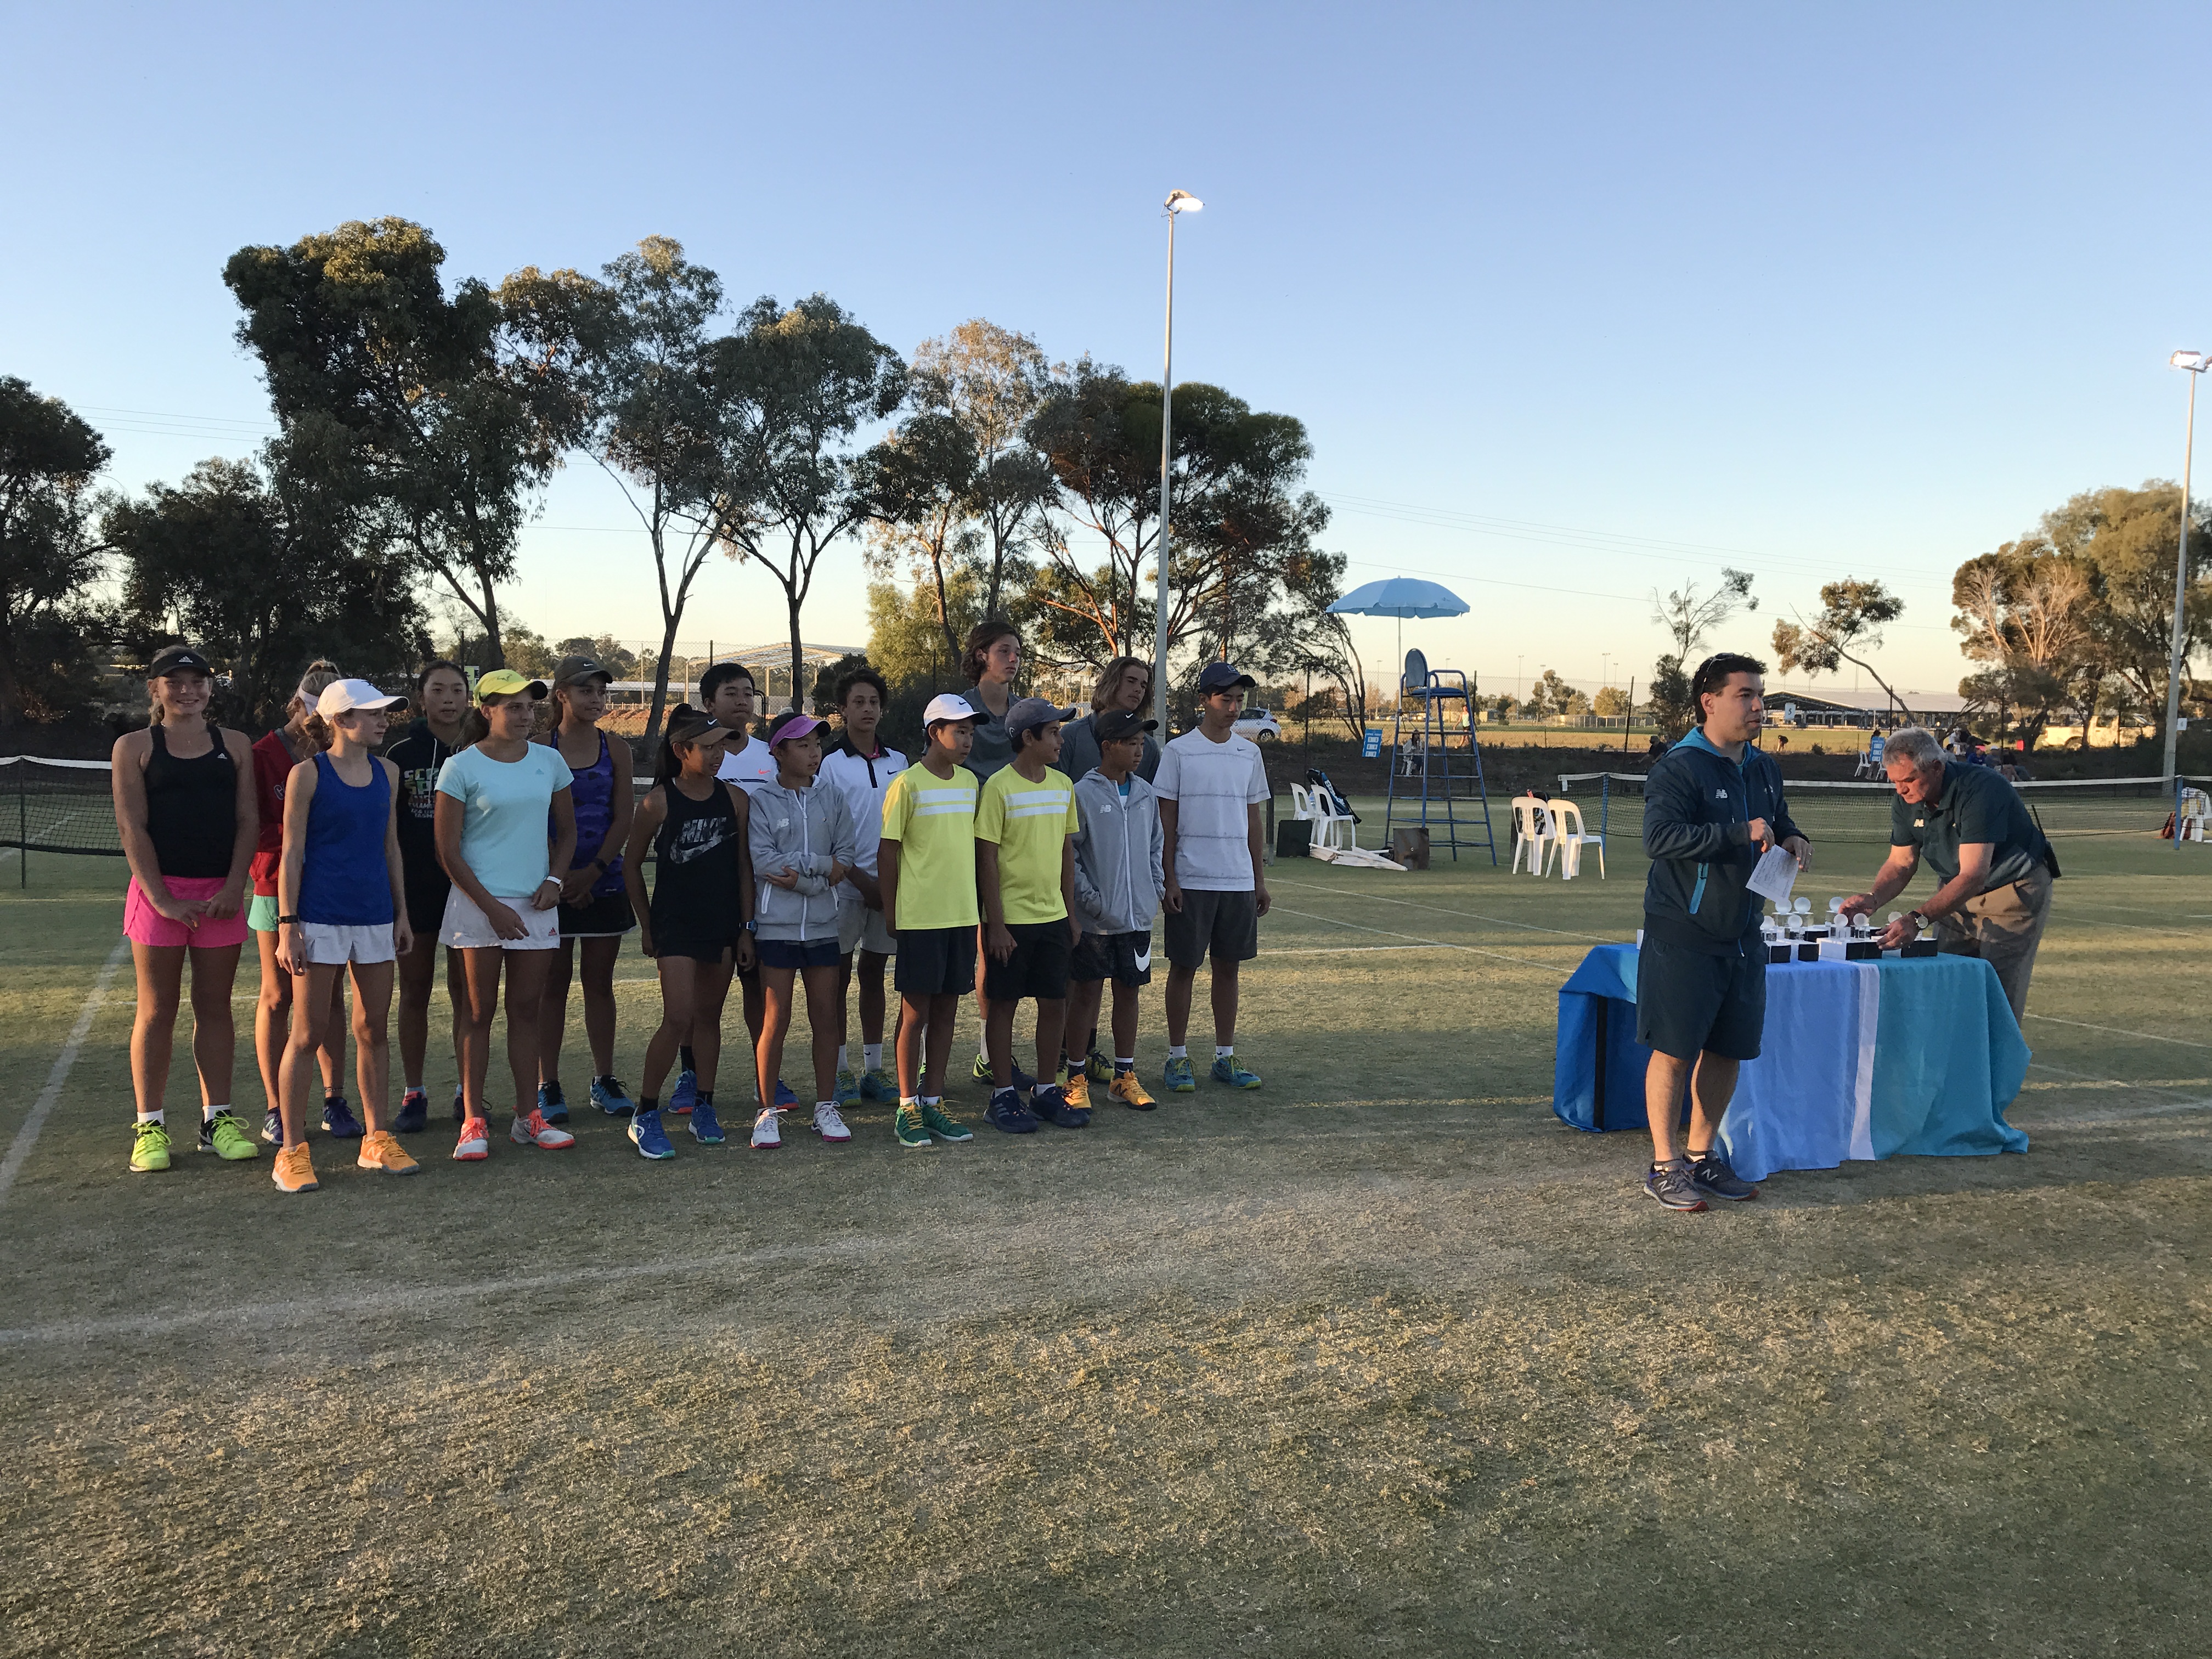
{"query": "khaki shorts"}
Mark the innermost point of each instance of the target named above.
(2002, 926)
(859, 928)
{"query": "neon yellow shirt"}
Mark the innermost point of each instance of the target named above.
(933, 821)
(1030, 822)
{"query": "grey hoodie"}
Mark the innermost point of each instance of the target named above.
(806, 830)
(1118, 882)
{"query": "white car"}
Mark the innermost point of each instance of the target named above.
(1259, 724)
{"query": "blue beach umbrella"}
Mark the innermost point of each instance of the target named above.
(1400, 597)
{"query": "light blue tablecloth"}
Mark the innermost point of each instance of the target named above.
(1858, 1060)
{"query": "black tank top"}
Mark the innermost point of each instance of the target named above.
(697, 879)
(191, 809)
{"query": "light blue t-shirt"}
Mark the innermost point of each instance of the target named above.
(503, 806)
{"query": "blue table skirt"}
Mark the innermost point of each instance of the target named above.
(1860, 1059)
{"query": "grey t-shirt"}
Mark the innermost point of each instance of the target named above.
(1974, 805)
(995, 745)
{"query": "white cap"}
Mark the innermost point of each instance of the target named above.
(945, 706)
(343, 697)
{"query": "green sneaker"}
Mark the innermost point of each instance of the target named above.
(877, 1083)
(1098, 1068)
(908, 1126)
(943, 1126)
(221, 1135)
(847, 1090)
(1176, 1076)
(150, 1149)
(1227, 1070)
(981, 1071)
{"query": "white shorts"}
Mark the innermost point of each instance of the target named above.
(859, 928)
(331, 942)
(466, 928)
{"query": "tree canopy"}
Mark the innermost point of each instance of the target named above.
(50, 554)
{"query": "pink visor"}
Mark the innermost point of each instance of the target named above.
(791, 730)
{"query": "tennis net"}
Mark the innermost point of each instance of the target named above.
(1612, 804)
(59, 806)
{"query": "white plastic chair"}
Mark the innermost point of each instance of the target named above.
(1532, 834)
(1571, 838)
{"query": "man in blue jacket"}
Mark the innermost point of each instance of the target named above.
(1712, 806)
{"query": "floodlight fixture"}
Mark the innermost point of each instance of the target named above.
(2194, 361)
(1182, 201)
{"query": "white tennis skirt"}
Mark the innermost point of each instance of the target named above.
(466, 928)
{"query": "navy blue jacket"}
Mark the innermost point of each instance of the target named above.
(1697, 807)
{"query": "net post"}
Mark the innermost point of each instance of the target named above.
(1604, 800)
(22, 828)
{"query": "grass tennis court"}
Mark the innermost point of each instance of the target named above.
(1379, 1360)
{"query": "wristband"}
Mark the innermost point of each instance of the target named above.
(290, 921)
(550, 881)
(749, 924)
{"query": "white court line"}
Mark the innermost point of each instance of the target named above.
(1339, 950)
(2114, 1030)
(1437, 944)
(27, 1136)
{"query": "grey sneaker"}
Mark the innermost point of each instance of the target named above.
(1712, 1177)
(1671, 1185)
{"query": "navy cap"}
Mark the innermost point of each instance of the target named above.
(1220, 675)
(1117, 724)
(171, 658)
(1032, 712)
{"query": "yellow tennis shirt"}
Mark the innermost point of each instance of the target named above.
(933, 821)
(1031, 823)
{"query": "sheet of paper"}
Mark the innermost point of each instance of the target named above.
(1775, 875)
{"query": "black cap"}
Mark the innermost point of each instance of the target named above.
(171, 658)
(1220, 675)
(1116, 724)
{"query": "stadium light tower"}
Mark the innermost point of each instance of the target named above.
(1179, 203)
(2196, 362)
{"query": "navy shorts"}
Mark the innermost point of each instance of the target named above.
(1038, 966)
(797, 953)
(1688, 1003)
(935, 961)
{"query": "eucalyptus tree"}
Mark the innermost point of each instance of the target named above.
(51, 555)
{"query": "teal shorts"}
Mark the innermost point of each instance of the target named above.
(261, 915)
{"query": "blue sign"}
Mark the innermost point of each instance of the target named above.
(1371, 743)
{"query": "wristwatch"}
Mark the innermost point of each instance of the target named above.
(749, 925)
(1918, 921)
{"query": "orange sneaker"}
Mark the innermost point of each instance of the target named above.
(475, 1144)
(535, 1131)
(295, 1169)
(380, 1150)
(1131, 1093)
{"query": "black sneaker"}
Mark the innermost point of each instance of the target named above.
(1713, 1177)
(1051, 1105)
(414, 1114)
(272, 1128)
(338, 1120)
(1671, 1186)
(1007, 1111)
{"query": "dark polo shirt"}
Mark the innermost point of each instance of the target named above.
(1975, 804)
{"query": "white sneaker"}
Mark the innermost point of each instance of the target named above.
(535, 1131)
(828, 1124)
(768, 1136)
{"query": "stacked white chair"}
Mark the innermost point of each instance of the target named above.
(1532, 834)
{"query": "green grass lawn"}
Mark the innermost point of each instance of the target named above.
(1379, 1358)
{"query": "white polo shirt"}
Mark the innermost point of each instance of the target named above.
(862, 780)
(750, 768)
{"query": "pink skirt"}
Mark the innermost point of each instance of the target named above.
(143, 925)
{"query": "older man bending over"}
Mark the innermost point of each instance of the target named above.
(1994, 864)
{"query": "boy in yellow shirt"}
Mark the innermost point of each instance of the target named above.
(1025, 825)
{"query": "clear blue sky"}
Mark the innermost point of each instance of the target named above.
(1573, 301)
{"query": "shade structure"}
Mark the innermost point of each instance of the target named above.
(1400, 597)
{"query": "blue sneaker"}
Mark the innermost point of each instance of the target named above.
(552, 1105)
(649, 1138)
(785, 1100)
(1009, 1112)
(414, 1113)
(1052, 1106)
(847, 1090)
(1227, 1070)
(610, 1098)
(878, 1085)
(338, 1119)
(681, 1097)
(706, 1127)
(1176, 1078)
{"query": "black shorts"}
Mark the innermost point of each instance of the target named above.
(1125, 958)
(1688, 1003)
(1227, 924)
(426, 893)
(699, 949)
(1038, 966)
(796, 954)
(935, 962)
(607, 916)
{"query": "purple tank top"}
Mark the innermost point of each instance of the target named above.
(592, 793)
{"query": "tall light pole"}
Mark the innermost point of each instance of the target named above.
(2196, 362)
(1179, 203)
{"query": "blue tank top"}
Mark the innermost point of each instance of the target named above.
(592, 795)
(343, 882)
